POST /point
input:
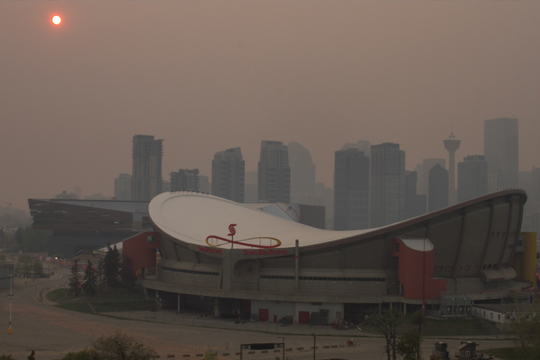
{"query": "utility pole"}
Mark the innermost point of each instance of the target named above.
(10, 331)
(283, 345)
(314, 345)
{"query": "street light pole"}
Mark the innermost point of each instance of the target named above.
(283, 345)
(10, 331)
(314, 346)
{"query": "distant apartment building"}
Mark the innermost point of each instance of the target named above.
(472, 177)
(204, 184)
(251, 195)
(438, 188)
(387, 198)
(228, 174)
(302, 174)
(147, 156)
(351, 190)
(122, 187)
(185, 180)
(274, 175)
(501, 150)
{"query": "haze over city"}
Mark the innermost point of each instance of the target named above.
(207, 76)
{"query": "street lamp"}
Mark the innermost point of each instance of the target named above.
(314, 347)
(10, 297)
(283, 345)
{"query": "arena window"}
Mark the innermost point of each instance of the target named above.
(311, 278)
(193, 272)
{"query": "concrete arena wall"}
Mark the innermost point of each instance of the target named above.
(279, 309)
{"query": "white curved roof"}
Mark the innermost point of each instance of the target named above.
(191, 217)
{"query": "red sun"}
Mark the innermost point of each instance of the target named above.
(56, 20)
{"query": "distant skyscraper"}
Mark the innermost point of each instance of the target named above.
(438, 188)
(415, 205)
(204, 184)
(427, 165)
(185, 180)
(122, 187)
(274, 173)
(147, 156)
(501, 149)
(472, 177)
(452, 145)
(351, 190)
(251, 195)
(302, 174)
(535, 185)
(387, 200)
(228, 175)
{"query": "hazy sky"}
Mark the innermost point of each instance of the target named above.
(211, 75)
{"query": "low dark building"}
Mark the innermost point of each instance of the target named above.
(79, 225)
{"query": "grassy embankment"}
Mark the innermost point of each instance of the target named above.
(109, 301)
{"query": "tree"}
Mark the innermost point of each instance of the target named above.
(75, 278)
(127, 273)
(19, 236)
(6, 357)
(121, 346)
(99, 273)
(386, 324)
(24, 264)
(525, 329)
(111, 267)
(37, 267)
(210, 354)
(409, 344)
(84, 354)
(115, 347)
(90, 280)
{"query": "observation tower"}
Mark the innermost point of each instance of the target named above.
(452, 145)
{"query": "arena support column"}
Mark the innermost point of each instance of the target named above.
(296, 264)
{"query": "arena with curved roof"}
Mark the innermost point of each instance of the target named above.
(243, 260)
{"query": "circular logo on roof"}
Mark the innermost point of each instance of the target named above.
(218, 241)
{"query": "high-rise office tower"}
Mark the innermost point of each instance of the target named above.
(387, 200)
(472, 177)
(228, 174)
(415, 205)
(501, 149)
(274, 173)
(146, 175)
(302, 174)
(185, 180)
(438, 188)
(452, 145)
(122, 187)
(427, 165)
(251, 195)
(351, 190)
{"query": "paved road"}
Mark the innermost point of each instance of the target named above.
(52, 332)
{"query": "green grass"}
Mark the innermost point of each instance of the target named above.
(57, 295)
(459, 327)
(512, 353)
(448, 327)
(115, 300)
(135, 305)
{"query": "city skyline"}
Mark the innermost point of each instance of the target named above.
(211, 76)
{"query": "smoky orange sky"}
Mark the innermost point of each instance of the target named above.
(211, 75)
